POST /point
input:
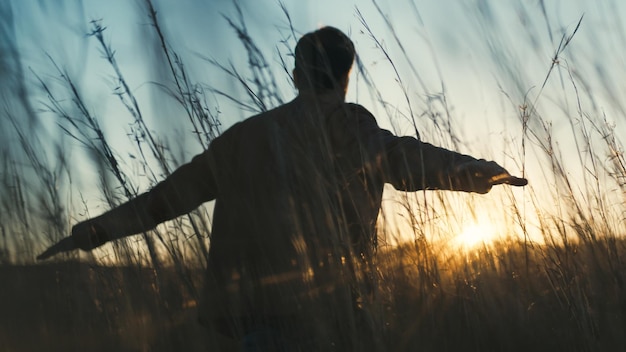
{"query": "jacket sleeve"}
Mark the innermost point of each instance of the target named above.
(414, 165)
(404, 162)
(184, 190)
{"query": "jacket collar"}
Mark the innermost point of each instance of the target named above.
(323, 99)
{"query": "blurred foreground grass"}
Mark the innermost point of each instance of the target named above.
(504, 297)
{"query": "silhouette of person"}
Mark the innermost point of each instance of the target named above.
(297, 193)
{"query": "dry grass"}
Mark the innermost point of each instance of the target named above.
(557, 284)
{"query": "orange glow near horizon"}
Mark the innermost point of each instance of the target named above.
(475, 235)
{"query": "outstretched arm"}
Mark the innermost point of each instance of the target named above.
(415, 165)
(410, 164)
(184, 190)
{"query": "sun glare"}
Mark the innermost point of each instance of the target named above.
(476, 235)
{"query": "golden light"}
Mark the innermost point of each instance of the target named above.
(476, 235)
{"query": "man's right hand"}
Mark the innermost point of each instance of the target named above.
(64, 245)
(86, 235)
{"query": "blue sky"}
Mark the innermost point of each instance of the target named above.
(471, 45)
(488, 57)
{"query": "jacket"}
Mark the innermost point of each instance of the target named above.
(297, 193)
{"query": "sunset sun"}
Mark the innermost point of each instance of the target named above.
(475, 235)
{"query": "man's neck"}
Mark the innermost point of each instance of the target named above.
(332, 94)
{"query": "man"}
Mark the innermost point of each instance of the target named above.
(298, 190)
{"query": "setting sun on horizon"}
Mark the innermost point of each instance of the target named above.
(476, 234)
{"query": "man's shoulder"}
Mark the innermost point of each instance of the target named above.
(259, 123)
(356, 108)
(266, 117)
(351, 113)
(255, 124)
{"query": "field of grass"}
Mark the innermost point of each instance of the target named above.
(553, 281)
(502, 298)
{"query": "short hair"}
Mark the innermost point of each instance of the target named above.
(322, 58)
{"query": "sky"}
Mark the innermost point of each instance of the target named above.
(472, 46)
(470, 67)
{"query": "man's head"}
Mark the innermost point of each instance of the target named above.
(323, 60)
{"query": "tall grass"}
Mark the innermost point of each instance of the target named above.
(553, 281)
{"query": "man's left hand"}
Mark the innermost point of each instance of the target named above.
(480, 175)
